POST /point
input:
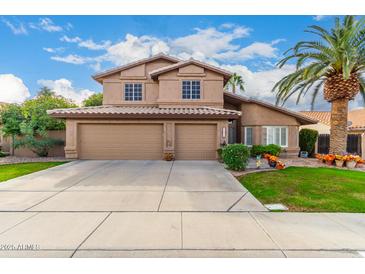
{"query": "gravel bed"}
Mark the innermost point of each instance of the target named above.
(15, 160)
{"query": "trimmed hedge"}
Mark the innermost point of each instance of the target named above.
(307, 140)
(235, 156)
(257, 150)
(261, 150)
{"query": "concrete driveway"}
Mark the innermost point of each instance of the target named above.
(128, 186)
(159, 209)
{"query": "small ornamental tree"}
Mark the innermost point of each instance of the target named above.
(11, 119)
(307, 140)
(36, 122)
(94, 100)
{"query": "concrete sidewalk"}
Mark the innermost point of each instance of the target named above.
(181, 234)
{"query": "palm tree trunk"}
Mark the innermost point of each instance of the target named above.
(338, 137)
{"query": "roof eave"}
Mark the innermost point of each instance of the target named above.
(145, 116)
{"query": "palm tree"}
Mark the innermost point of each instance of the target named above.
(336, 61)
(234, 82)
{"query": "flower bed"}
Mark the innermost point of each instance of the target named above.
(274, 162)
(349, 160)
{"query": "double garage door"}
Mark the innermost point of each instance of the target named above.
(145, 141)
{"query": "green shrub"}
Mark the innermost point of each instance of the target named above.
(261, 150)
(307, 140)
(3, 154)
(273, 149)
(257, 150)
(219, 152)
(235, 156)
(40, 145)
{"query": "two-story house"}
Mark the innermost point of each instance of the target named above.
(164, 105)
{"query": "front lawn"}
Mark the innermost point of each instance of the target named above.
(11, 171)
(310, 189)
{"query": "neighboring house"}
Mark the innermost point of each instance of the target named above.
(164, 105)
(356, 126)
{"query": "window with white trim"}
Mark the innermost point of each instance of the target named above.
(190, 89)
(133, 92)
(248, 136)
(275, 135)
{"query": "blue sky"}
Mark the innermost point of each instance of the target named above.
(63, 52)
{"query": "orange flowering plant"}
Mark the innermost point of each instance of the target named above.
(280, 165)
(339, 157)
(350, 157)
(273, 158)
(329, 157)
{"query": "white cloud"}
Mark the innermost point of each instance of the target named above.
(256, 49)
(53, 50)
(65, 88)
(90, 44)
(68, 39)
(46, 24)
(15, 28)
(259, 85)
(70, 59)
(210, 41)
(319, 17)
(12, 89)
(134, 48)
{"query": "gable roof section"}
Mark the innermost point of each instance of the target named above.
(234, 98)
(165, 69)
(133, 64)
(356, 117)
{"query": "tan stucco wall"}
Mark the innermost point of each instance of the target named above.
(254, 114)
(170, 84)
(72, 125)
(166, 91)
(257, 116)
(57, 151)
(320, 127)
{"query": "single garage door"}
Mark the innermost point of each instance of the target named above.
(195, 142)
(120, 141)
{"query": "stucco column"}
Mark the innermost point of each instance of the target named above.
(169, 137)
(71, 139)
(222, 133)
(363, 145)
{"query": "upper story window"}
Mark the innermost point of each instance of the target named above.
(191, 89)
(133, 92)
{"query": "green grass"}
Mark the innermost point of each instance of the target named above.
(11, 171)
(310, 189)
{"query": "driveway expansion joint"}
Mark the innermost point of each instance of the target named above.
(164, 189)
(236, 202)
(267, 233)
(92, 232)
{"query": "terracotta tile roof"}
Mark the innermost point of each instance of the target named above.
(323, 117)
(356, 117)
(145, 112)
(236, 98)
